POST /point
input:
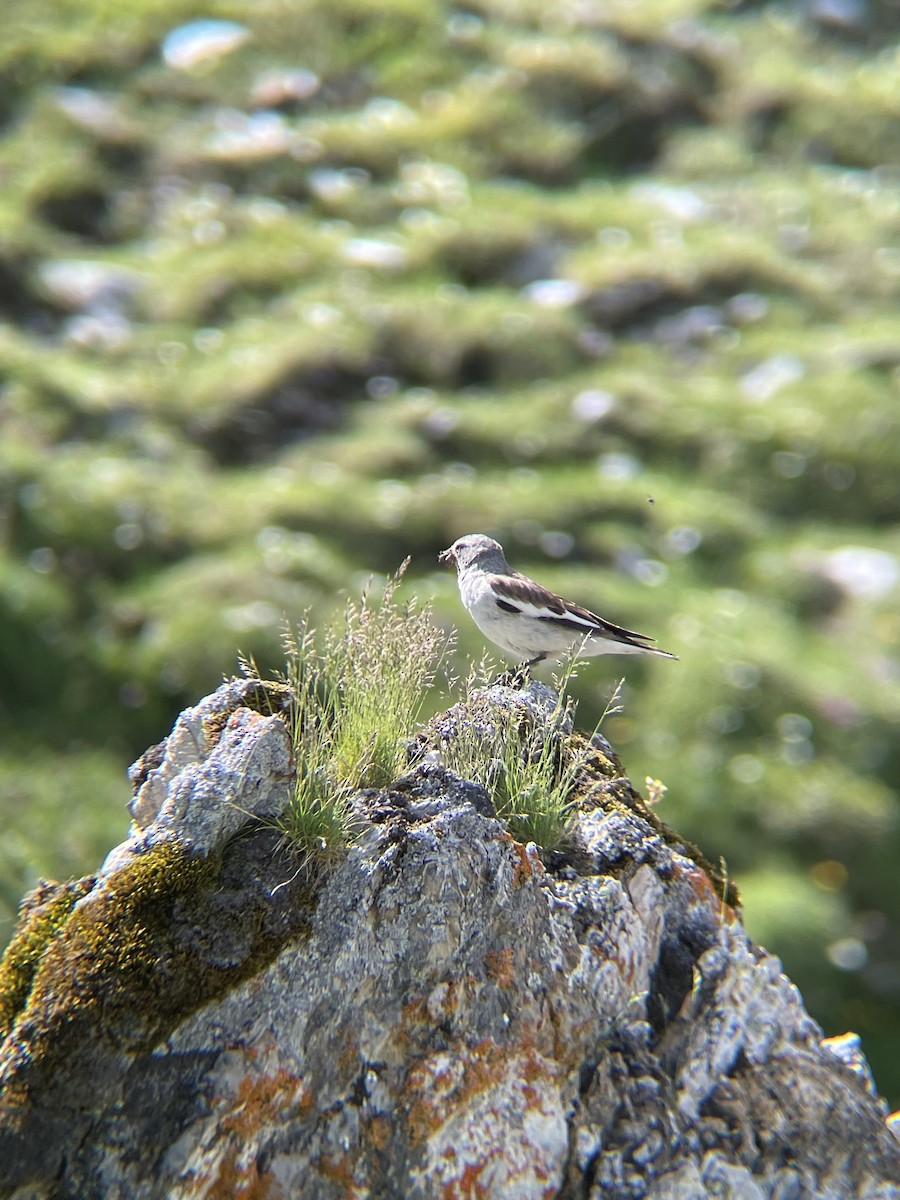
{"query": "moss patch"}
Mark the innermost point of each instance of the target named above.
(264, 696)
(167, 933)
(600, 784)
(43, 914)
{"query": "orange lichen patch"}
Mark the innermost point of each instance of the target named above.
(476, 1181)
(261, 1102)
(380, 1131)
(523, 869)
(499, 966)
(237, 1179)
(431, 1086)
(349, 1057)
(705, 891)
(415, 1012)
(469, 1186)
(402, 1038)
(533, 1068)
(448, 1082)
(446, 999)
(338, 1169)
(341, 1170)
(465, 1102)
(262, 1099)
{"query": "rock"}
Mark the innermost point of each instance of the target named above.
(446, 1012)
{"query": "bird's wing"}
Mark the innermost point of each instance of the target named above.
(526, 595)
(517, 593)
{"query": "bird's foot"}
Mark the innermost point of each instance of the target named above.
(516, 677)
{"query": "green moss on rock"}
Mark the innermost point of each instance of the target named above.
(601, 784)
(43, 915)
(163, 935)
(264, 696)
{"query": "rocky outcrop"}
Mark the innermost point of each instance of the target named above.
(444, 1013)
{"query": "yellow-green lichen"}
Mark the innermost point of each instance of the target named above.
(264, 696)
(43, 914)
(163, 935)
(118, 947)
(601, 784)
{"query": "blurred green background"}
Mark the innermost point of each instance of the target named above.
(289, 290)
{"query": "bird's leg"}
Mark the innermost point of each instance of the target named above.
(515, 677)
(519, 676)
(532, 662)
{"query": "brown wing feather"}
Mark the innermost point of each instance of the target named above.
(519, 587)
(627, 635)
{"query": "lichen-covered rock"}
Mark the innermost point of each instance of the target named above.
(442, 1014)
(179, 784)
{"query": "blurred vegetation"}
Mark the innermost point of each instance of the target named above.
(309, 285)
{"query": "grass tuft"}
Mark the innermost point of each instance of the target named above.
(359, 689)
(529, 766)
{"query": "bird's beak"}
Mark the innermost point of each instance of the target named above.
(447, 556)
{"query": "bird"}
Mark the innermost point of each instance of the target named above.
(526, 619)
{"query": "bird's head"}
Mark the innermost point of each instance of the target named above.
(475, 549)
